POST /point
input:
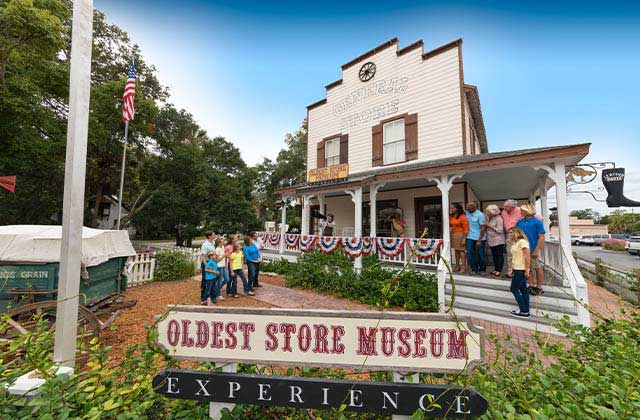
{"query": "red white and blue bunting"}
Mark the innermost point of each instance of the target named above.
(265, 237)
(367, 246)
(307, 242)
(425, 248)
(328, 244)
(390, 247)
(352, 246)
(274, 238)
(291, 240)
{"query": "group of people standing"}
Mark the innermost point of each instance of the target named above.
(516, 231)
(222, 263)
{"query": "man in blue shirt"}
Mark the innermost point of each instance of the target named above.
(475, 245)
(534, 231)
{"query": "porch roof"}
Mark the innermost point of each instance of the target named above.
(490, 175)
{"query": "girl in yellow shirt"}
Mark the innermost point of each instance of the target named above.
(237, 263)
(521, 262)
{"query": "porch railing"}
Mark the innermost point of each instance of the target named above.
(293, 244)
(559, 264)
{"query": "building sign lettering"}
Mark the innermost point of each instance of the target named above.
(328, 173)
(394, 85)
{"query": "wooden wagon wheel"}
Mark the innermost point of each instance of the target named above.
(24, 318)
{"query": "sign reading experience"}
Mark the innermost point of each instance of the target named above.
(371, 340)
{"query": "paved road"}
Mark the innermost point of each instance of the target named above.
(621, 260)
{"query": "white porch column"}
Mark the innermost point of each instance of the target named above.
(283, 222)
(557, 174)
(356, 197)
(563, 208)
(373, 196)
(444, 183)
(544, 206)
(532, 198)
(321, 204)
(306, 205)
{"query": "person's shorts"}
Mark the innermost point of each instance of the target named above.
(535, 263)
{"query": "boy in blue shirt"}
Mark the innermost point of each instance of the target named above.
(475, 244)
(210, 278)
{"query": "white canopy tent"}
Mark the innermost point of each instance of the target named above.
(41, 244)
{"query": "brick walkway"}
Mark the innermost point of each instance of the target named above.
(602, 302)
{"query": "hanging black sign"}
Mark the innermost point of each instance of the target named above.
(373, 397)
(613, 181)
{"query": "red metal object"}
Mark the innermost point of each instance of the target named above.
(8, 182)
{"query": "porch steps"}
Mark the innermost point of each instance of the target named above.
(490, 299)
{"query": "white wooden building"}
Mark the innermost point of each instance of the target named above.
(403, 129)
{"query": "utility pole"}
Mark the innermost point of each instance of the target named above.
(74, 179)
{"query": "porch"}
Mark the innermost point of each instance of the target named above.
(423, 192)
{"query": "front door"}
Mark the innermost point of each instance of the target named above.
(429, 216)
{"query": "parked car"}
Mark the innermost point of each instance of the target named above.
(633, 245)
(583, 240)
(600, 238)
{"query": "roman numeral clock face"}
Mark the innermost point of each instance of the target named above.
(367, 71)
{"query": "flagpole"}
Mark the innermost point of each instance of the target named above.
(124, 160)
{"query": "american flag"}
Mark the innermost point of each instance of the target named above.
(128, 109)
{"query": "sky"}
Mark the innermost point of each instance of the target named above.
(548, 73)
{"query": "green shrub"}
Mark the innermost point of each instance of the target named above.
(173, 265)
(593, 376)
(334, 274)
(280, 266)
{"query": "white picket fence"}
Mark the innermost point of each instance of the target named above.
(140, 269)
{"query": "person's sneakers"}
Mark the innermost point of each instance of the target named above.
(236, 296)
(220, 297)
(203, 303)
(520, 314)
(251, 294)
(483, 273)
(210, 302)
(531, 290)
(475, 273)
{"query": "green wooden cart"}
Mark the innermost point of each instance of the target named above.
(28, 290)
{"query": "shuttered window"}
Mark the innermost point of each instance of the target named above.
(393, 138)
(332, 152)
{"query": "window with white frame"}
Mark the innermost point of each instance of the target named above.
(393, 142)
(332, 152)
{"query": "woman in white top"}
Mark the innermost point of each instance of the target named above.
(494, 228)
(223, 267)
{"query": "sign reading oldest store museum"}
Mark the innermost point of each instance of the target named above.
(398, 341)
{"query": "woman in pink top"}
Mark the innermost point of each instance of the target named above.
(228, 250)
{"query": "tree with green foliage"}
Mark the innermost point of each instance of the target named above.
(288, 169)
(582, 214)
(178, 180)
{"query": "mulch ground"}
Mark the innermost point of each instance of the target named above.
(153, 298)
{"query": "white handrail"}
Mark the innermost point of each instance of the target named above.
(443, 272)
(578, 286)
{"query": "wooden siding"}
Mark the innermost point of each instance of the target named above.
(433, 92)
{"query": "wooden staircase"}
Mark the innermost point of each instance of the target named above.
(489, 298)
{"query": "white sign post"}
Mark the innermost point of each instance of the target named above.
(74, 179)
